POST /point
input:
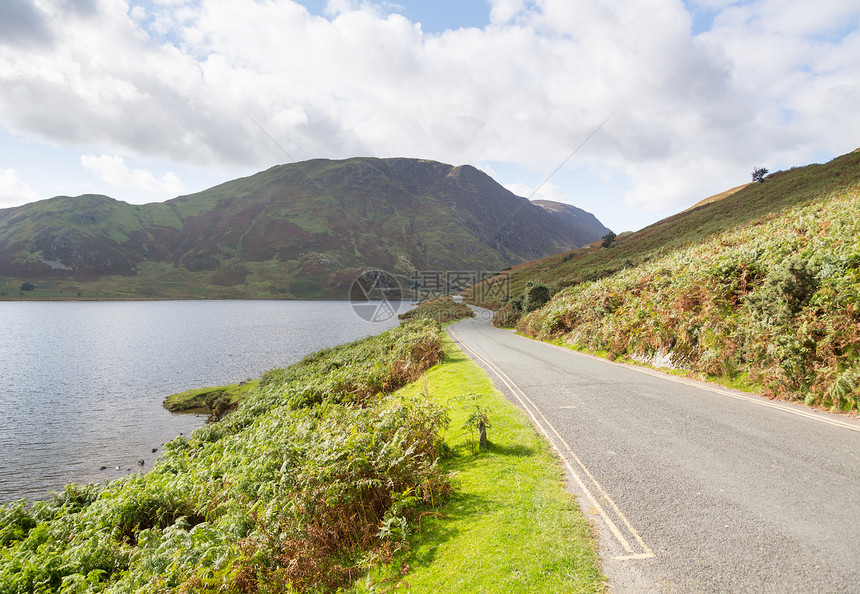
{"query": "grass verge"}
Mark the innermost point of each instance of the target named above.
(510, 525)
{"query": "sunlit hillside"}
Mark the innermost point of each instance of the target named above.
(760, 289)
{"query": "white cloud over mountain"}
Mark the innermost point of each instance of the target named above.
(113, 170)
(768, 82)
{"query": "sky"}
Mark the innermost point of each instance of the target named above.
(630, 109)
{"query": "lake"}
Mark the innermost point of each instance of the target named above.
(82, 383)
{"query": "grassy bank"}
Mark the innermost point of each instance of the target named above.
(509, 526)
(291, 490)
(758, 290)
(215, 400)
(327, 470)
(783, 190)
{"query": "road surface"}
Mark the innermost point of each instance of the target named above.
(692, 487)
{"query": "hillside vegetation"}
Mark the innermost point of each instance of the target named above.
(760, 289)
(303, 230)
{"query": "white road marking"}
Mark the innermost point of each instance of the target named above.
(753, 399)
(632, 554)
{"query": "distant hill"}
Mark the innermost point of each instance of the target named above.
(585, 223)
(302, 230)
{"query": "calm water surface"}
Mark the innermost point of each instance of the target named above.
(82, 383)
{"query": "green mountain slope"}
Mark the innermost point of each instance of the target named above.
(760, 289)
(299, 230)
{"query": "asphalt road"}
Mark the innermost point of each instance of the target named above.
(691, 487)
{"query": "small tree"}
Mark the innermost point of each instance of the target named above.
(758, 174)
(479, 421)
(608, 239)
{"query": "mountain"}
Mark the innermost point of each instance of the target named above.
(301, 230)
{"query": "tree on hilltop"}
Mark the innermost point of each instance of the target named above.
(759, 173)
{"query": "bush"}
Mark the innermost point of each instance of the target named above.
(535, 296)
(608, 239)
(787, 288)
(15, 523)
(440, 309)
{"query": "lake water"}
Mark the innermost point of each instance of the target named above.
(82, 383)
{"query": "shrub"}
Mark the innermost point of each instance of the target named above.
(608, 239)
(535, 296)
(15, 523)
(441, 309)
(787, 288)
(507, 317)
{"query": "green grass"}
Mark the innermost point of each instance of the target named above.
(205, 398)
(509, 526)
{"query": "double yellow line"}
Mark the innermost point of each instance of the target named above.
(606, 508)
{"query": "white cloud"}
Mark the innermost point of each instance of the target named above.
(504, 11)
(13, 191)
(546, 191)
(520, 189)
(114, 171)
(771, 83)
